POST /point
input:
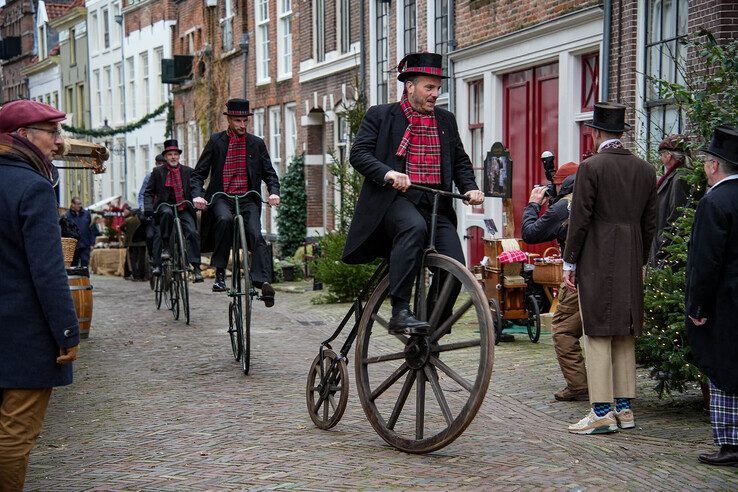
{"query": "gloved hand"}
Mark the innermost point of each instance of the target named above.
(148, 214)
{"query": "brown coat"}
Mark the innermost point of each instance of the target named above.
(613, 218)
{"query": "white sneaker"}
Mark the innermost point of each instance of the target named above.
(625, 419)
(592, 424)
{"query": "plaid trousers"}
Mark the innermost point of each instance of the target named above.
(723, 416)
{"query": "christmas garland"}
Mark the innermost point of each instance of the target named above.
(121, 129)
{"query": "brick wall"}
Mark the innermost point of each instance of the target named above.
(17, 20)
(148, 13)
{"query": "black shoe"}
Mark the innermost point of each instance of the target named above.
(156, 271)
(267, 294)
(404, 323)
(219, 284)
(197, 274)
(165, 254)
(727, 456)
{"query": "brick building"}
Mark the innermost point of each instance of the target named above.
(17, 46)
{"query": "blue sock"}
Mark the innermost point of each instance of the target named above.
(601, 409)
(622, 404)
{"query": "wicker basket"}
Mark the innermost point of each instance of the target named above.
(548, 273)
(69, 245)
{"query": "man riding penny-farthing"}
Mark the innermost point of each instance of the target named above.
(422, 320)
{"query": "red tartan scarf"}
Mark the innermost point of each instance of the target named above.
(174, 181)
(235, 177)
(420, 146)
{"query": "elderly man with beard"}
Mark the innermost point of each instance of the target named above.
(407, 142)
(39, 332)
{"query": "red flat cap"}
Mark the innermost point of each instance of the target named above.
(563, 171)
(23, 113)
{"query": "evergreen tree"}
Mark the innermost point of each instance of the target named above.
(292, 218)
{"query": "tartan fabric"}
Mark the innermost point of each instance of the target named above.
(420, 146)
(615, 144)
(723, 416)
(438, 72)
(174, 181)
(512, 257)
(235, 177)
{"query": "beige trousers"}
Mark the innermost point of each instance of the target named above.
(611, 369)
(21, 416)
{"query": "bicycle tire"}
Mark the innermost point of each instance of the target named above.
(244, 284)
(233, 331)
(158, 291)
(174, 286)
(184, 272)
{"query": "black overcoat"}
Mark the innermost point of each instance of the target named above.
(712, 285)
(157, 192)
(671, 195)
(210, 166)
(37, 316)
(373, 155)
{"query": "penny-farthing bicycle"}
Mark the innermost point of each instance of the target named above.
(173, 283)
(455, 359)
(241, 292)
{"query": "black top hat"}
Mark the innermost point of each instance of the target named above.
(237, 107)
(170, 145)
(420, 64)
(160, 158)
(609, 117)
(724, 144)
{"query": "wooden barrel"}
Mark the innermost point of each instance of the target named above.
(79, 285)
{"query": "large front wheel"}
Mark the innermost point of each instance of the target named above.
(455, 359)
(242, 292)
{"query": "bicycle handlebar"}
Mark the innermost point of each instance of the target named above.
(432, 190)
(156, 210)
(236, 197)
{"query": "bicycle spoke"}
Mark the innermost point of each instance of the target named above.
(451, 373)
(400, 403)
(379, 319)
(440, 303)
(392, 379)
(420, 406)
(432, 377)
(384, 358)
(332, 402)
(325, 411)
(459, 345)
(446, 326)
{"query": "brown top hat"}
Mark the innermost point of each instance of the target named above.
(609, 117)
(420, 64)
(724, 144)
(171, 145)
(238, 107)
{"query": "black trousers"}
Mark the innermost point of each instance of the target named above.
(136, 262)
(408, 226)
(165, 219)
(153, 241)
(81, 257)
(261, 258)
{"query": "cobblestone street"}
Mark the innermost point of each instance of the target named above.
(158, 405)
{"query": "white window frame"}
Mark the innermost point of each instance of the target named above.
(284, 39)
(261, 18)
(275, 135)
(120, 85)
(94, 33)
(193, 141)
(108, 84)
(259, 122)
(290, 132)
(98, 113)
(343, 26)
(162, 88)
(115, 28)
(319, 30)
(131, 89)
(226, 27)
(145, 81)
(105, 12)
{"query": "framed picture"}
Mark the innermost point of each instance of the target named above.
(498, 172)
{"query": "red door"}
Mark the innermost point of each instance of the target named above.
(474, 246)
(531, 118)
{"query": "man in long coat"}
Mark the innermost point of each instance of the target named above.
(236, 162)
(407, 142)
(39, 332)
(712, 288)
(83, 220)
(613, 217)
(171, 183)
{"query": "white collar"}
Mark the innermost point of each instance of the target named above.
(607, 142)
(732, 176)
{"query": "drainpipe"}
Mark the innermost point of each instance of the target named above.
(245, 51)
(606, 33)
(362, 47)
(451, 49)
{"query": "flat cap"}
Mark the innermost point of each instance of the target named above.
(23, 113)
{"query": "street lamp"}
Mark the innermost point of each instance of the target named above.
(119, 21)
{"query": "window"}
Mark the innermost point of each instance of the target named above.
(665, 57)
(476, 129)
(382, 52)
(106, 28)
(119, 76)
(411, 27)
(590, 94)
(98, 98)
(262, 41)
(131, 167)
(72, 47)
(284, 39)
(141, 170)
(131, 89)
(42, 42)
(319, 30)
(290, 131)
(259, 123)
(344, 27)
(69, 100)
(441, 14)
(108, 85)
(275, 135)
(79, 112)
(192, 142)
(226, 26)
(55, 100)
(161, 88)
(94, 33)
(145, 89)
(116, 27)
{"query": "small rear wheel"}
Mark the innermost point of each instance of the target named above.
(497, 319)
(534, 319)
(327, 389)
(233, 313)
